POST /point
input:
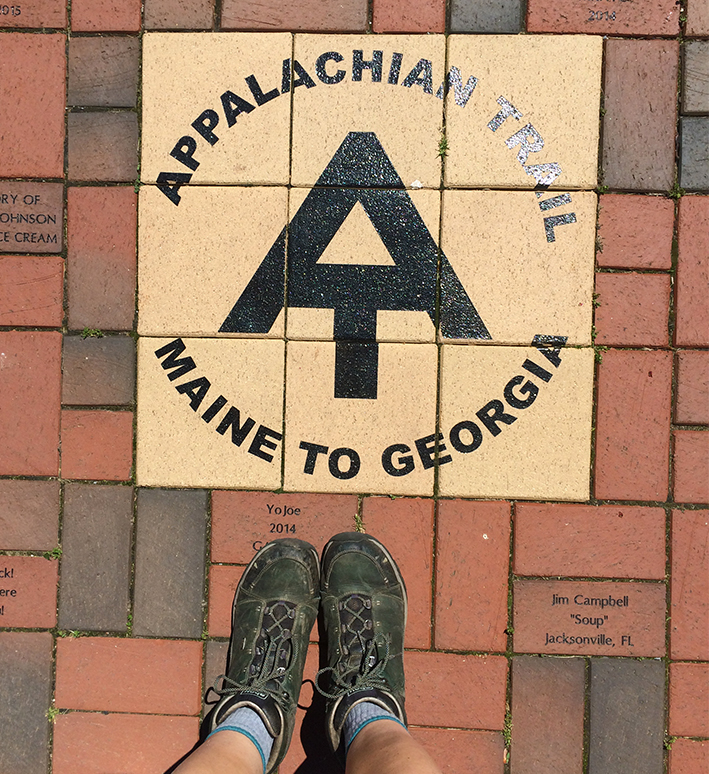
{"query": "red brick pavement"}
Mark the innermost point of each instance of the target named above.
(66, 413)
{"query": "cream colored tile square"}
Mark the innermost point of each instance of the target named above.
(210, 413)
(534, 438)
(519, 283)
(333, 241)
(186, 74)
(195, 261)
(549, 82)
(394, 97)
(347, 444)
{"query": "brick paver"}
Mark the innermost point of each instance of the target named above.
(129, 675)
(633, 310)
(639, 126)
(635, 232)
(633, 425)
(113, 582)
(96, 558)
(97, 444)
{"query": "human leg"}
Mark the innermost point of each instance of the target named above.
(275, 606)
(364, 613)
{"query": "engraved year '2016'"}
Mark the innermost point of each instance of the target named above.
(10, 10)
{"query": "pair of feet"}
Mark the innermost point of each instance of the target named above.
(361, 594)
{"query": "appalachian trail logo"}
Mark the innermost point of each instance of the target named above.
(360, 171)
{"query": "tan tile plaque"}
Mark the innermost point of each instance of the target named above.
(210, 412)
(524, 270)
(380, 445)
(215, 101)
(31, 217)
(536, 102)
(384, 84)
(195, 260)
(516, 422)
(585, 618)
(358, 243)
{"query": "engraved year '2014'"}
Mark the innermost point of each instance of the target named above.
(10, 10)
(601, 16)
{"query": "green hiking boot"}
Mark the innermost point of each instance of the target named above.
(275, 606)
(364, 614)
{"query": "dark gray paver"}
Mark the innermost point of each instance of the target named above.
(639, 125)
(695, 91)
(694, 154)
(29, 515)
(25, 696)
(170, 562)
(94, 588)
(98, 371)
(547, 715)
(627, 716)
(486, 16)
(103, 72)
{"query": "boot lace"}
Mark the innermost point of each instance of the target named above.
(363, 655)
(274, 652)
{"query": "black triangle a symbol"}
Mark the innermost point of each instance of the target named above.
(360, 171)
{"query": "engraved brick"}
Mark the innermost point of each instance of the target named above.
(691, 466)
(103, 146)
(474, 16)
(41, 13)
(178, 14)
(242, 521)
(32, 133)
(330, 15)
(405, 527)
(409, 16)
(689, 700)
(28, 592)
(692, 301)
(31, 219)
(477, 702)
(472, 545)
(547, 715)
(643, 17)
(589, 541)
(97, 445)
(689, 757)
(103, 71)
(694, 163)
(26, 688)
(689, 585)
(635, 232)
(589, 618)
(633, 310)
(98, 371)
(639, 123)
(96, 557)
(692, 407)
(633, 425)
(131, 744)
(627, 717)
(695, 95)
(169, 592)
(129, 675)
(30, 384)
(105, 15)
(101, 262)
(29, 515)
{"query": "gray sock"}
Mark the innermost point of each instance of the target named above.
(246, 721)
(362, 715)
